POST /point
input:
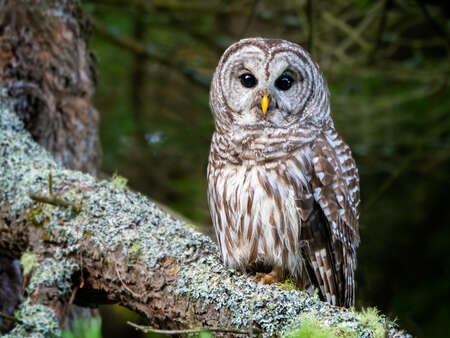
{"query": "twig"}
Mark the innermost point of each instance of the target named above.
(380, 30)
(125, 286)
(148, 329)
(50, 184)
(69, 304)
(343, 26)
(26, 325)
(53, 200)
(240, 8)
(388, 183)
(309, 11)
(371, 15)
(341, 56)
(249, 18)
(11, 318)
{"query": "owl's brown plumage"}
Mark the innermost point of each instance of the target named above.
(283, 188)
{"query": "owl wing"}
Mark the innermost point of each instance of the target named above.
(331, 231)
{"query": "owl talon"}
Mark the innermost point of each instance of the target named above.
(258, 277)
(268, 279)
(265, 278)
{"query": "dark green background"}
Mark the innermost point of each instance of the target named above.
(387, 65)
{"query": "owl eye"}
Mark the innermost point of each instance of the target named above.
(248, 80)
(284, 82)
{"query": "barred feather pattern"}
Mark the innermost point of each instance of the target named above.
(283, 190)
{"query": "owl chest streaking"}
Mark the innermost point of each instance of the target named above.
(283, 188)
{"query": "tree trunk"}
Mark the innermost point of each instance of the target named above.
(48, 71)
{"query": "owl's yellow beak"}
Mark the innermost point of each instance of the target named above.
(264, 104)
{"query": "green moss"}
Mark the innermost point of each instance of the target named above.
(289, 284)
(371, 318)
(311, 327)
(316, 295)
(119, 182)
(192, 226)
(28, 261)
(205, 334)
(135, 249)
(33, 216)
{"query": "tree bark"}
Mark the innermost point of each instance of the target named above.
(48, 70)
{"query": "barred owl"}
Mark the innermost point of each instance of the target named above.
(283, 188)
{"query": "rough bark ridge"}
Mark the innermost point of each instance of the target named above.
(122, 248)
(47, 68)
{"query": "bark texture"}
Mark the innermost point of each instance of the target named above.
(49, 71)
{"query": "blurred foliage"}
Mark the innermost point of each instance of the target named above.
(84, 328)
(387, 65)
(115, 317)
(312, 328)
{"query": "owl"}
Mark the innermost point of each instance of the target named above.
(283, 188)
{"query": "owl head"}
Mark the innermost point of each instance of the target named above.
(268, 83)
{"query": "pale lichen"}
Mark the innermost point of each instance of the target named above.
(53, 273)
(36, 321)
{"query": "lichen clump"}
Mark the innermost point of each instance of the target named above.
(35, 321)
(52, 273)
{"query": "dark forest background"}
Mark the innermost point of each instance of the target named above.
(387, 65)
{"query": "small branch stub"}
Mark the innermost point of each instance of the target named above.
(149, 329)
(53, 200)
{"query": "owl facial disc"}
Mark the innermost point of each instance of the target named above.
(269, 83)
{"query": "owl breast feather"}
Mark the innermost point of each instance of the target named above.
(258, 199)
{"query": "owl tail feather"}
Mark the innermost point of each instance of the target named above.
(325, 263)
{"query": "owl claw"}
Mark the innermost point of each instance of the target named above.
(260, 277)
(265, 278)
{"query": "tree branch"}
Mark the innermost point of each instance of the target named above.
(344, 27)
(122, 248)
(149, 329)
(55, 201)
(310, 16)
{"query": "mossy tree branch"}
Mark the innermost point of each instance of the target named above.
(121, 248)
